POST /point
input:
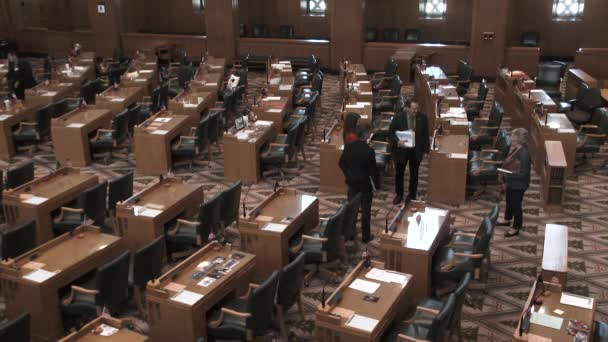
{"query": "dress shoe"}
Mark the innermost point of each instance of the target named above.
(503, 223)
(397, 199)
(512, 233)
(370, 238)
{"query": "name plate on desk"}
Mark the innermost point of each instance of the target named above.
(50, 93)
(272, 98)
(117, 99)
(75, 125)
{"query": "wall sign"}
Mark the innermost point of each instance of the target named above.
(101, 9)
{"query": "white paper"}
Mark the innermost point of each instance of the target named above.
(355, 106)
(574, 300)
(4, 117)
(272, 98)
(555, 252)
(360, 73)
(422, 236)
(407, 137)
(187, 297)
(147, 212)
(274, 227)
(457, 155)
(566, 130)
(386, 276)
(159, 132)
(242, 135)
(362, 323)
(263, 123)
(75, 125)
(140, 80)
(146, 71)
(364, 286)
(364, 116)
(65, 84)
(117, 99)
(546, 320)
(366, 93)
(107, 330)
(35, 200)
(39, 275)
(285, 87)
(79, 68)
(275, 110)
(50, 93)
(206, 282)
(162, 119)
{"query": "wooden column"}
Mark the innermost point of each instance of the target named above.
(346, 30)
(7, 26)
(222, 20)
(106, 27)
(488, 35)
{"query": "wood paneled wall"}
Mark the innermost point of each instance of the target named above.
(282, 12)
(560, 38)
(405, 14)
(175, 16)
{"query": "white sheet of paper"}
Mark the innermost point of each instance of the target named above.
(285, 87)
(407, 137)
(146, 71)
(140, 80)
(546, 320)
(458, 155)
(274, 227)
(190, 105)
(566, 130)
(117, 99)
(263, 123)
(274, 110)
(422, 237)
(39, 275)
(35, 200)
(362, 323)
(159, 132)
(147, 212)
(272, 98)
(162, 119)
(50, 93)
(187, 297)
(75, 125)
(107, 330)
(574, 300)
(364, 286)
(242, 135)
(386, 276)
(65, 84)
(555, 252)
(4, 117)
(355, 106)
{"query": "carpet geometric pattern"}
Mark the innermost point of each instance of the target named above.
(515, 261)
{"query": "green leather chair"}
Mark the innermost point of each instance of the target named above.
(19, 174)
(146, 264)
(183, 237)
(385, 99)
(308, 111)
(177, 84)
(16, 330)
(601, 331)
(426, 324)
(187, 148)
(592, 137)
(119, 189)
(68, 220)
(462, 79)
(28, 135)
(482, 131)
(17, 240)
(281, 151)
(349, 224)
(498, 152)
(304, 95)
(289, 291)
(474, 104)
(231, 198)
(382, 80)
(106, 141)
(246, 317)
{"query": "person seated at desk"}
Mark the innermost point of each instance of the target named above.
(358, 163)
(75, 51)
(517, 180)
(410, 119)
(19, 76)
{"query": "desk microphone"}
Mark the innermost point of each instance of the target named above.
(244, 199)
(386, 219)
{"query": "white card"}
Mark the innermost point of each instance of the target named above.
(263, 123)
(107, 330)
(574, 300)
(364, 286)
(4, 117)
(190, 105)
(162, 119)
(146, 71)
(275, 227)
(117, 99)
(159, 132)
(458, 155)
(140, 80)
(35, 200)
(362, 323)
(272, 98)
(274, 110)
(387, 276)
(75, 125)
(50, 93)
(546, 320)
(147, 212)
(39, 275)
(187, 297)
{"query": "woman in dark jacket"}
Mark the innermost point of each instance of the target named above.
(517, 182)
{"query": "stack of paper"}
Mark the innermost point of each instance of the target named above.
(187, 297)
(107, 330)
(117, 99)
(387, 276)
(546, 320)
(34, 200)
(75, 125)
(362, 323)
(159, 132)
(364, 286)
(263, 123)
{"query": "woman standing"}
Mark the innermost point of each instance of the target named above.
(516, 182)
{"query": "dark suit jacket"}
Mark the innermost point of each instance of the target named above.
(520, 179)
(23, 75)
(399, 123)
(358, 163)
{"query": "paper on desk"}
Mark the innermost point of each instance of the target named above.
(162, 119)
(146, 71)
(360, 73)
(243, 135)
(206, 281)
(459, 123)
(33, 265)
(39, 275)
(387, 276)
(65, 84)
(436, 211)
(274, 227)
(285, 87)
(107, 330)
(566, 130)
(117, 99)
(364, 286)
(4, 117)
(175, 287)
(140, 80)
(187, 297)
(34, 200)
(457, 155)
(263, 123)
(50, 93)
(355, 106)
(79, 68)
(147, 212)
(274, 110)
(555, 252)
(362, 323)
(190, 105)
(75, 125)
(408, 138)
(366, 93)
(422, 236)
(546, 320)
(272, 98)
(159, 132)
(574, 300)
(364, 116)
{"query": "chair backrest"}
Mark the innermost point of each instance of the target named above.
(66, 105)
(242, 30)
(603, 121)
(184, 75)
(156, 102)
(215, 124)
(503, 145)
(493, 215)
(260, 30)
(164, 95)
(301, 134)
(261, 304)
(390, 68)
(396, 85)
(87, 91)
(349, 225)
(231, 198)
(147, 262)
(17, 330)
(43, 120)
(530, 39)
(120, 125)
(496, 114)
(371, 34)
(439, 326)
(412, 35)
(286, 31)
(112, 282)
(549, 75)
(134, 117)
(483, 90)
(291, 280)
(18, 240)
(317, 82)
(209, 215)
(390, 34)
(202, 133)
(459, 297)
(590, 100)
(483, 237)
(465, 71)
(333, 233)
(93, 202)
(19, 175)
(119, 189)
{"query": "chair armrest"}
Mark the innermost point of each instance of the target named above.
(382, 91)
(464, 234)
(81, 290)
(297, 248)
(378, 74)
(489, 151)
(470, 256)
(402, 337)
(390, 97)
(65, 210)
(23, 125)
(250, 288)
(481, 119)
(100, 132)
(387, 113)
(225, 311)
(583, 128)
(427, 310)
(312, 238)
(184, 139)
(277, 145)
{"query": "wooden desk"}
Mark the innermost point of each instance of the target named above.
(446, 56)
(142, 218)
(553, 176)
(558, 128)
(365, 111)
(85, 58)
(554, 266)
(192, 105)
(178, 322)
(454, 120)
(393, 298)
(574, 79)
(605, 96)
(286, 48)
(71, 132)
(522, 57)
(449, 158)
(273, 108)
(404, 58)
(242, 151)
(10, 117)
(45, 94)
(434, 73)
(205, 81)
(153, 140)
(37, 199)
(119, 99)
(88, 334)
(70, 257)
(509, 83)
(427, 92)
(331, 176)
(215, 64)
(298, 212)
(398, 253)
(77, 74)
(549, 305)
(281, 81)
(140, 76)
(525, 107)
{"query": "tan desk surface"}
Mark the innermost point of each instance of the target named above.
(452, 144)
(83, 116)
(539, 95)
(401, 224)
(170, 192)
(331, 176)
(286, 203)
(119, 99)
(17, 107)
(583, 76)
(77, 74)
(605, 95)
(87, 332)
(215, 64)
(45, 94)
(558, 121)
(52, 185)
(121, 93)
(158, 122)
(242, 151)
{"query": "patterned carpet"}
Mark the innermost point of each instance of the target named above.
(515, 261)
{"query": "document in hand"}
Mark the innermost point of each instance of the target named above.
(406, 138)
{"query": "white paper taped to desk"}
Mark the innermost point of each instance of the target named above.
(555, 252)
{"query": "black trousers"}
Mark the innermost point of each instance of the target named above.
(400, 173)
(514, 208)
(366, 210)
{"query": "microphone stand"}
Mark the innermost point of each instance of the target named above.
(244, 200)
(386, 219)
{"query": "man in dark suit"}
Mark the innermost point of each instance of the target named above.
(408, 120)
(19, 75)
(358, 163)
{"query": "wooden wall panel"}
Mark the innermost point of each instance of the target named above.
(346, 40)
(79, 15)
(285, 48)
(487, 54)
(222, 27)
(6, 20)
(171, 17)
(446, 56)
(195, 46)
(405, 14)
(559, 38)
(594, 61)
